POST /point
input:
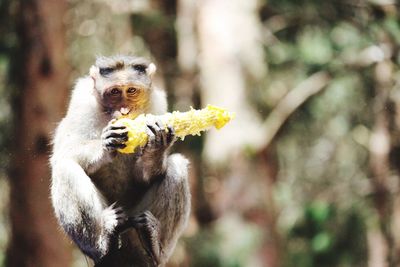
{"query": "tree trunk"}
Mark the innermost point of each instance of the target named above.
(230, 59)
(379, 148)
(42, 73)
(230, 62)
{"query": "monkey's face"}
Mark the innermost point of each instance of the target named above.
(123, 85)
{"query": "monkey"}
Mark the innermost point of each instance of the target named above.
(120, 209)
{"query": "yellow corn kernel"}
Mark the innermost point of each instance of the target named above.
(191, 122)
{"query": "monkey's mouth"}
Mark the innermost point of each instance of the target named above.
(125, 111)
(129, 113)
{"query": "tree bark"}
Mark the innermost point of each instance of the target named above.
(42, 82)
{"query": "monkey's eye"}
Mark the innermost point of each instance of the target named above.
(131, 90)
(140, 68)
(105, 71)
(115, 91)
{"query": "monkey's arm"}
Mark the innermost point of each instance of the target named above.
(78, 205)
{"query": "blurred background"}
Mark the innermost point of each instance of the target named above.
(308, 173)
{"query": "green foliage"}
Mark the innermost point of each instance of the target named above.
(326, 236)
(230, 242)
(205, 249)
(8, 44)
(323, 148)
(314, 46)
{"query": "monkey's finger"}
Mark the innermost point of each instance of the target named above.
(120, 146)
(109, 129)
(150, 133)
(122, 219)
(123, 224)
(114, 133)
(137, 222)
(147, 214)
(114, 145)
(118, 210)
(146, 218)
(110, 141)
(162, 133)
(117, 127)
(151, 138)
(142, 224)
(171, 137)
(160, 124)
(113, 142)
(114, 127)
(140, 219)
(153, 127)
(116, 141)
(164, 138)
(122, 136)
(171, 130)
(158, 132)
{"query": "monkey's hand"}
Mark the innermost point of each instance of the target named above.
(160, 138)
(153, 156)
(114, 136)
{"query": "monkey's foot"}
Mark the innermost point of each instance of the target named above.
(148, 228)
(113, 217)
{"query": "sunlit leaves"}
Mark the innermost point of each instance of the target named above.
(315, 46)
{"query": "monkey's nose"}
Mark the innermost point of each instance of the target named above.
(124, 110)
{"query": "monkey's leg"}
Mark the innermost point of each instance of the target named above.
(82, 211)
(166, 209)
(148, 230)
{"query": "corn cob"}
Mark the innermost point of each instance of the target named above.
(191, 122)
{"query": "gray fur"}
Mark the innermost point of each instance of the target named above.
(95, 190)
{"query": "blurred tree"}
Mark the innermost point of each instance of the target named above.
(232, 68)
(315, 85)
(337, 146)
(156, 27)
(41, 76)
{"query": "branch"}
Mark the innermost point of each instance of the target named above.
(294, 99)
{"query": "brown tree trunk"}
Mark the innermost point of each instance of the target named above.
(379, 147)
(42, 75)
(230, 61)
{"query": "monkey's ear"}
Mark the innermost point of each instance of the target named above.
(93, 71)
(151, 69)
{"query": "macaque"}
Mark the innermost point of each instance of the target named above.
(120, 209)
